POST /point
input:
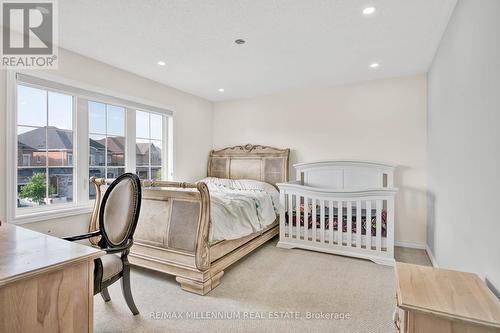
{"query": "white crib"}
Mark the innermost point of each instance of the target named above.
(331, 204)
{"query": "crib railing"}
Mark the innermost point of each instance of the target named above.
(346, 222)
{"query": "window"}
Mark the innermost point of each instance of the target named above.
(26, 159)
(106, 141)
(149, 145)
(44, 142)
(58, 136)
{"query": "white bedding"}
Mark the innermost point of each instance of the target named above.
(240, 207)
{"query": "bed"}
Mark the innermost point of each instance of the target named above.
(340, 207)
(177, 234)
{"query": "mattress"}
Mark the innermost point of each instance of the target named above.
(239, 208)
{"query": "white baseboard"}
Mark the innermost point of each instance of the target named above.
(411, 245)
(431, 256)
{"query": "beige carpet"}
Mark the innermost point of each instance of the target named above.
(268, 280)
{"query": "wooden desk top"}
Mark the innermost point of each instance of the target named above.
(446, 293)
(24, 253)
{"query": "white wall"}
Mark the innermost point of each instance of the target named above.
(192, 119)
(464, 142)
(380, 120)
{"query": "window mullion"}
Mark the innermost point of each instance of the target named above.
(47, 147)
(167, 162)
(130, 140)
(106, 141)
(81, 163)
(150, 171)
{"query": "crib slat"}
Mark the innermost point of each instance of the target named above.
(339, 223)
(358, 224)
(322, 221)
(330, 220)
(290, 214)
(313, 230)
(379, 225)
(349, 223)
(306, 217)
(390, 227)
(297, 216)
(368, 234)
(282, 214)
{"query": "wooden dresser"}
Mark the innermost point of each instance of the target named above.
(46, 283)
(432, 300)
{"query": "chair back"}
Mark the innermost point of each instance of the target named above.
(119, 211)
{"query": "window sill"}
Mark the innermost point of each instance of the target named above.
(31, 217)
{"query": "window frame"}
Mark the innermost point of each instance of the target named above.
(81, 93)
(38, 211)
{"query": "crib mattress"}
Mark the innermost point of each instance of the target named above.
(317, 220)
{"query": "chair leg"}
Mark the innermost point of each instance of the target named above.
(105, 295)
(127, 293)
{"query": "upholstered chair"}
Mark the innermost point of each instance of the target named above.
(118, 215)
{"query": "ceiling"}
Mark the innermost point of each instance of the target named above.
(290, 44)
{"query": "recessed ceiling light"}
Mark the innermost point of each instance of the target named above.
(221, 89)
(161, 63)
(374, 65)
(240, 41)
(369, 10)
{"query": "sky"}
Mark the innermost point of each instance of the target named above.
(33, 104)
(40, 108)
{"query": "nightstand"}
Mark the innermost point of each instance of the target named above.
(436, 300)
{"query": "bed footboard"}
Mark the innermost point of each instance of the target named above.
(176, 216)
(172, 232)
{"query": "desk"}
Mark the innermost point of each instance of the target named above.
(46, 283)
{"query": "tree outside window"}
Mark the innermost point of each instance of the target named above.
(36, 189)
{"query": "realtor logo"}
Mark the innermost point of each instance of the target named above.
(29, 34)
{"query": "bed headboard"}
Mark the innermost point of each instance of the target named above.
(345, 174)
(256, 162)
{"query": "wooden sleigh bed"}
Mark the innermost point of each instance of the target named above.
(172, 234)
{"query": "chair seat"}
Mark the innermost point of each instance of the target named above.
(112, 265)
